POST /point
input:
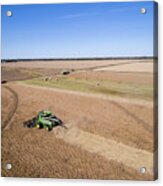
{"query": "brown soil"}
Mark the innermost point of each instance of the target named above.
(27, 149)
(9, 105)
(41, 154)
(14, 74)
(107, 137)
(140, 78)
(130, 67)
(107, 148)
(86, 64)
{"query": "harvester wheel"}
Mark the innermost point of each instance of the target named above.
(48, 128)
(37, 126)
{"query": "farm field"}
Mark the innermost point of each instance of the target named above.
(134, 67)
(74, 64)
(107, 107)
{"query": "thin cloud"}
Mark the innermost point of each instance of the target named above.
(79, 15)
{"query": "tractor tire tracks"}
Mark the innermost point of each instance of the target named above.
(134, 116)
(8, 122)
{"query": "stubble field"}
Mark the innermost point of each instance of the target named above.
(108, 114)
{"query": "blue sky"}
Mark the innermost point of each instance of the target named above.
(77, 30)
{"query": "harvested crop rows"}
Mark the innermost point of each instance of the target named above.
(107, 137)
(67, 138)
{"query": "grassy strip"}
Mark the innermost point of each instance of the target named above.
(122, 89)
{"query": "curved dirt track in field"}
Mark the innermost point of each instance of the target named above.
(13, 110)
(109, 149)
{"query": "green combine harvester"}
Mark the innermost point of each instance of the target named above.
(45, 119)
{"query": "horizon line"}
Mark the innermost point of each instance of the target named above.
(79, 58)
